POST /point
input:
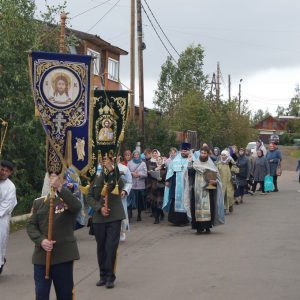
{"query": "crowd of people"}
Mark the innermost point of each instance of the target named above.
(193, 186)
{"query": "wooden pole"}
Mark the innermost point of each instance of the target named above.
(63, 17)
(218, 83)
(132, 63)
(141, 71)
(50, 231)
(229, 88)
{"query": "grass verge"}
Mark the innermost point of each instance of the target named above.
(16, 226)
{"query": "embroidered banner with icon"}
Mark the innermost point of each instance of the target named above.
(61, 89)
(109, 119)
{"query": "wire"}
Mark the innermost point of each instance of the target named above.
(158, 34)
(102, 3)
(161, 28)
(104, 15)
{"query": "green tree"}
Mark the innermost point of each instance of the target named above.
(25, 143)
(158, 136)
(177, 79)
(259, 115)
(294, 106)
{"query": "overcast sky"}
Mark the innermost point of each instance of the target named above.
(257, 40)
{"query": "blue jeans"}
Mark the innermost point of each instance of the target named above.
(62, 277)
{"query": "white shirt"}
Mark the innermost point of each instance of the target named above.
(8, 199)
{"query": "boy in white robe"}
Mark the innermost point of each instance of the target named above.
(8, 201)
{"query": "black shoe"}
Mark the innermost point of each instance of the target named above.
(109, 285)
(207, 231)
(156, 221)
(101, 282)
(199, 231)
(139, 218)
(1, 268)
(276, 190)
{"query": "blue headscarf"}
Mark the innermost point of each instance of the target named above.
(136, 161)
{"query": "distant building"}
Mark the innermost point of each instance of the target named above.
(271, 125)
(106, 66)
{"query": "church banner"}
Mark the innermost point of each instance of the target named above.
(109, 119)
(61, 89)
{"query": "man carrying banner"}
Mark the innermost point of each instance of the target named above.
(63, 246)
(105, 199)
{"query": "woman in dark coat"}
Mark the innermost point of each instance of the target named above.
(274, 159)
(242, 177)
(261, 168)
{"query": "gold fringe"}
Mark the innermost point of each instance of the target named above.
(116, 191)
(84, 189)
(104, 190)
(121, 138)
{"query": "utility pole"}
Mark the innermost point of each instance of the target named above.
(141, 70)
(132, 63)
(218, 83)
(212, 84)
(229, 88)
(240, 91)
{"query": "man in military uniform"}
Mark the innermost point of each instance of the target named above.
(63, 246)
(107, 221)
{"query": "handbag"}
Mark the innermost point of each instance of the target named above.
(278, 170)
(268, 184)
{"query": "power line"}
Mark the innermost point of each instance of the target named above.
(104, 15)
(102, 3)
(158, 34)
(161, 28)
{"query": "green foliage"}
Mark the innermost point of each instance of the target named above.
(258, 116)
(132, 135)
(25, 142)
(288, 138)
(157, 134)
(178, 79)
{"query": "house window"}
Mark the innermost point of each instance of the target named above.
(113, 69)
(275, 125)
(96, 60)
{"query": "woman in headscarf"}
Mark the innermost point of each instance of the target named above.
(157, 189)
(72, 182)
(227, 167)
(127, 157)
(215, 156)
(243, 175)
(261, 168)
(138, 171)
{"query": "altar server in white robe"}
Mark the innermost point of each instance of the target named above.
(8, 201)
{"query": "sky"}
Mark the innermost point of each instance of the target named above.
(257, 41)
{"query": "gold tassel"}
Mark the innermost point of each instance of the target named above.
(84, 189)
(116, 191)
(104, 190)
(121, 138)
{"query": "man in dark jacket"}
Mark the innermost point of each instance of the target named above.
(107, 220)
(63, 246)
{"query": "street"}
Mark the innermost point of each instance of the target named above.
(254, 256)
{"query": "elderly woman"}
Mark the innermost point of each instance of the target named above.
(138, 170)
(226, 167)
(261, 168)
(274, 158)
(242, 177)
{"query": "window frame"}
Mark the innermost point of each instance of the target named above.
(96, 62)
(116, 69)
